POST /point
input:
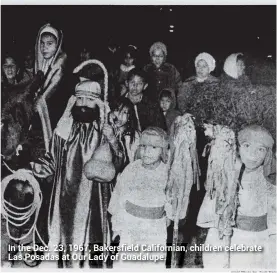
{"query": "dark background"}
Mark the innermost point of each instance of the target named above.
(219, 30)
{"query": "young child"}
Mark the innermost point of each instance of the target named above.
(255, 221)
(124, 122)
(138, 202)
(167, 103)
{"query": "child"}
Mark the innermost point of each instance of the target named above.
(167, 104)
(124, 121)
(138, 202)
(50, 59)
(161, 73)
(148, 113)
(255, 221)
(129, 59)
(12, 73)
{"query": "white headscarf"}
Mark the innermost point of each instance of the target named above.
(208, 58)
(230, 65)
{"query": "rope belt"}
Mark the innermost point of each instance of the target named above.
(252, 223)
(144, 212)
(19, 216)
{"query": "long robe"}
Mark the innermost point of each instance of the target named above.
(257, 198)
(76, 205)
(138, 187)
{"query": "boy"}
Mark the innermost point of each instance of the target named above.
(148, 112)
(167, 103)
(138, 201)
(50, 59)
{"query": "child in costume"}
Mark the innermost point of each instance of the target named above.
(138, 201)
(252, 207)
(50, 59)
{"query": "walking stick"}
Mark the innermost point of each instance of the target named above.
(100, 168)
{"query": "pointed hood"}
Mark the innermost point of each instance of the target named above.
(230, 65)
(38, 55)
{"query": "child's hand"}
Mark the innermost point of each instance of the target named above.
(168, 222)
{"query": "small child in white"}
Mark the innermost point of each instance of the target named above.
(138, 202)
(255, 222)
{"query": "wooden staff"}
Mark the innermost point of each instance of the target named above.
(105, 184)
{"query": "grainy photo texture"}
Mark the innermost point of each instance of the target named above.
(138, 137)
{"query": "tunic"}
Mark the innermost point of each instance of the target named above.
(137, 208)
(255, 225)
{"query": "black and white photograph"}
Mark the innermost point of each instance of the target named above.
(138, 137)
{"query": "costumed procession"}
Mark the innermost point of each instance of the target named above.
(108, 162)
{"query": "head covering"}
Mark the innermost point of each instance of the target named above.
(155, 136)
(40, 63)
(51, 30)
(158, 45)
(230, 65)
(209, 59)
(258, 134)
(88, 89)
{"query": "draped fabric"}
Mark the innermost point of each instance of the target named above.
(76, 205)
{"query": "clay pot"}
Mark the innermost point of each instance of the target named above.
(100, 167)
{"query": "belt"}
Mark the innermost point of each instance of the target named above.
(144, 212)
(252, 223)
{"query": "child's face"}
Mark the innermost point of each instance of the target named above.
(10, 68)
(150, 154)
(120, 116)
(136, 85)
(252, 154)
(202, 69)
(158, 57)
(48, 46)
(128, 60)
(165, 103)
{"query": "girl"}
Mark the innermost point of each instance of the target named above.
(12, 74)
(138, 202)
(255, 207)
(124, 121)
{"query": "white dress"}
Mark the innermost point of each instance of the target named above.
(138, 187)
(256, 199)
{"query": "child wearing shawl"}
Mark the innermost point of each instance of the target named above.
(50, 59)
(138, 201)
(255, 215)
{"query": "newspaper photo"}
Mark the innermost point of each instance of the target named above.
(138, 137)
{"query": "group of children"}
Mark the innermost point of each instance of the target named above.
(141, 122)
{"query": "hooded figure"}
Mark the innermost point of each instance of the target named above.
(76, 205)
(255, 206)
(234, 68)
(50, 59)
